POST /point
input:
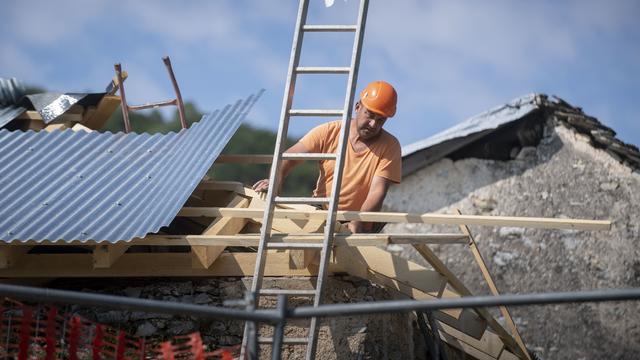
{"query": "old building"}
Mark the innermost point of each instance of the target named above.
(537, 156)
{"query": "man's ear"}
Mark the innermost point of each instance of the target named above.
(358, 106)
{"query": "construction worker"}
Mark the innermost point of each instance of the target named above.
(372, 161)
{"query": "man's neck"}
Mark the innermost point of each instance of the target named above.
(356, 141)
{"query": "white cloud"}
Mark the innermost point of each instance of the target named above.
(51, 23)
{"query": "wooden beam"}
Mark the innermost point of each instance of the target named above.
(453, 280)
(148, 265)
(437, 264)
(57, 126)
(104, 256)
(303, 258)
(489, 343)
(253, 240)
(390, 217)
(11, 255)
(205, 255)
(244, 159)
(391, 266)
(278, 225)
(464, 347)
(494, 290)
(97, 118)
(464, 320)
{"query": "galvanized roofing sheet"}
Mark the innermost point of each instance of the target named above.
(11, 91)
(68, 185)
(492, 119)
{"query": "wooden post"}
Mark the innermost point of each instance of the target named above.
(204, 256)
(494, 290)
(104, 256)
(10, 255)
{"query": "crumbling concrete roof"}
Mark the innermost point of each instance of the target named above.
(535, 110)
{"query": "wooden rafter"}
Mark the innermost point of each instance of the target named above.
(494, 290)
(104, 256)
(205, 255)
(390, 217)
(252, 240)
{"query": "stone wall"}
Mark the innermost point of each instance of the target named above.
(387, 336)
(564, 176)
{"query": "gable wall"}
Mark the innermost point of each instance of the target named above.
(563, 177)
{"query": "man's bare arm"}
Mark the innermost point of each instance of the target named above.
(373, 202)
(285, 167)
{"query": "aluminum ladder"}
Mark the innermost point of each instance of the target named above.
(310, 341)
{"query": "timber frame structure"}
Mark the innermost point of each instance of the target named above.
(230, 215)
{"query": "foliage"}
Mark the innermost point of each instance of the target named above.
(247, 140)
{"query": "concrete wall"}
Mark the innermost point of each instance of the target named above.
(564, 176)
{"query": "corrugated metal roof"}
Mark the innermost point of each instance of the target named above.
(68, 185)
(492, 119)
(11, 91)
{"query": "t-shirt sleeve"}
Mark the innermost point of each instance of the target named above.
(314, 139)
(390, 165)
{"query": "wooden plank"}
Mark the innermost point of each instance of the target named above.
(222, 185)
(205, 255)
(464, 321)
(36, 125)
(303, 258)
(60, 126)
(520, 349)
(391, 266)
(340, 240)
(11, 255)
(507, 355)
(355, 266)
(97, 118)
(427, 218)
(437, 264)
(278, 225)
(244, 159)
(148, 265)
(463, 346)
(104, 256)
(80, 127)
(489, 343)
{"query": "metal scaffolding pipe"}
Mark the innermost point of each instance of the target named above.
(151, 306)
(466, 302)
(275, 316)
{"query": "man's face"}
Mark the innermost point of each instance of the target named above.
(368, 123)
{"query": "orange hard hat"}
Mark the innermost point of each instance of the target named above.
(380, 97)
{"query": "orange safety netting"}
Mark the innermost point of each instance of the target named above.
(43, 332)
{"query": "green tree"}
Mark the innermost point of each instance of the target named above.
(247, 140)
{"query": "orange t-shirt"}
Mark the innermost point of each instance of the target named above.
(381, 158)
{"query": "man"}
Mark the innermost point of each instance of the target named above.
(372, 160)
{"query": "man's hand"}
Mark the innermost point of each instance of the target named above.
(355, 227)
(261, 186)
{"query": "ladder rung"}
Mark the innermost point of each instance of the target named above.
(322, 70)
(287, 340)
(288, 292)
(294, 246)
(302, 200)
(315, 112)
(330, 28)
(309, 156)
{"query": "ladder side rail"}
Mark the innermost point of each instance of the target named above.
(337, 178)
(265, 230)
(267, 219)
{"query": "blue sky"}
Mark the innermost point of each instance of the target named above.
(449, 60)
